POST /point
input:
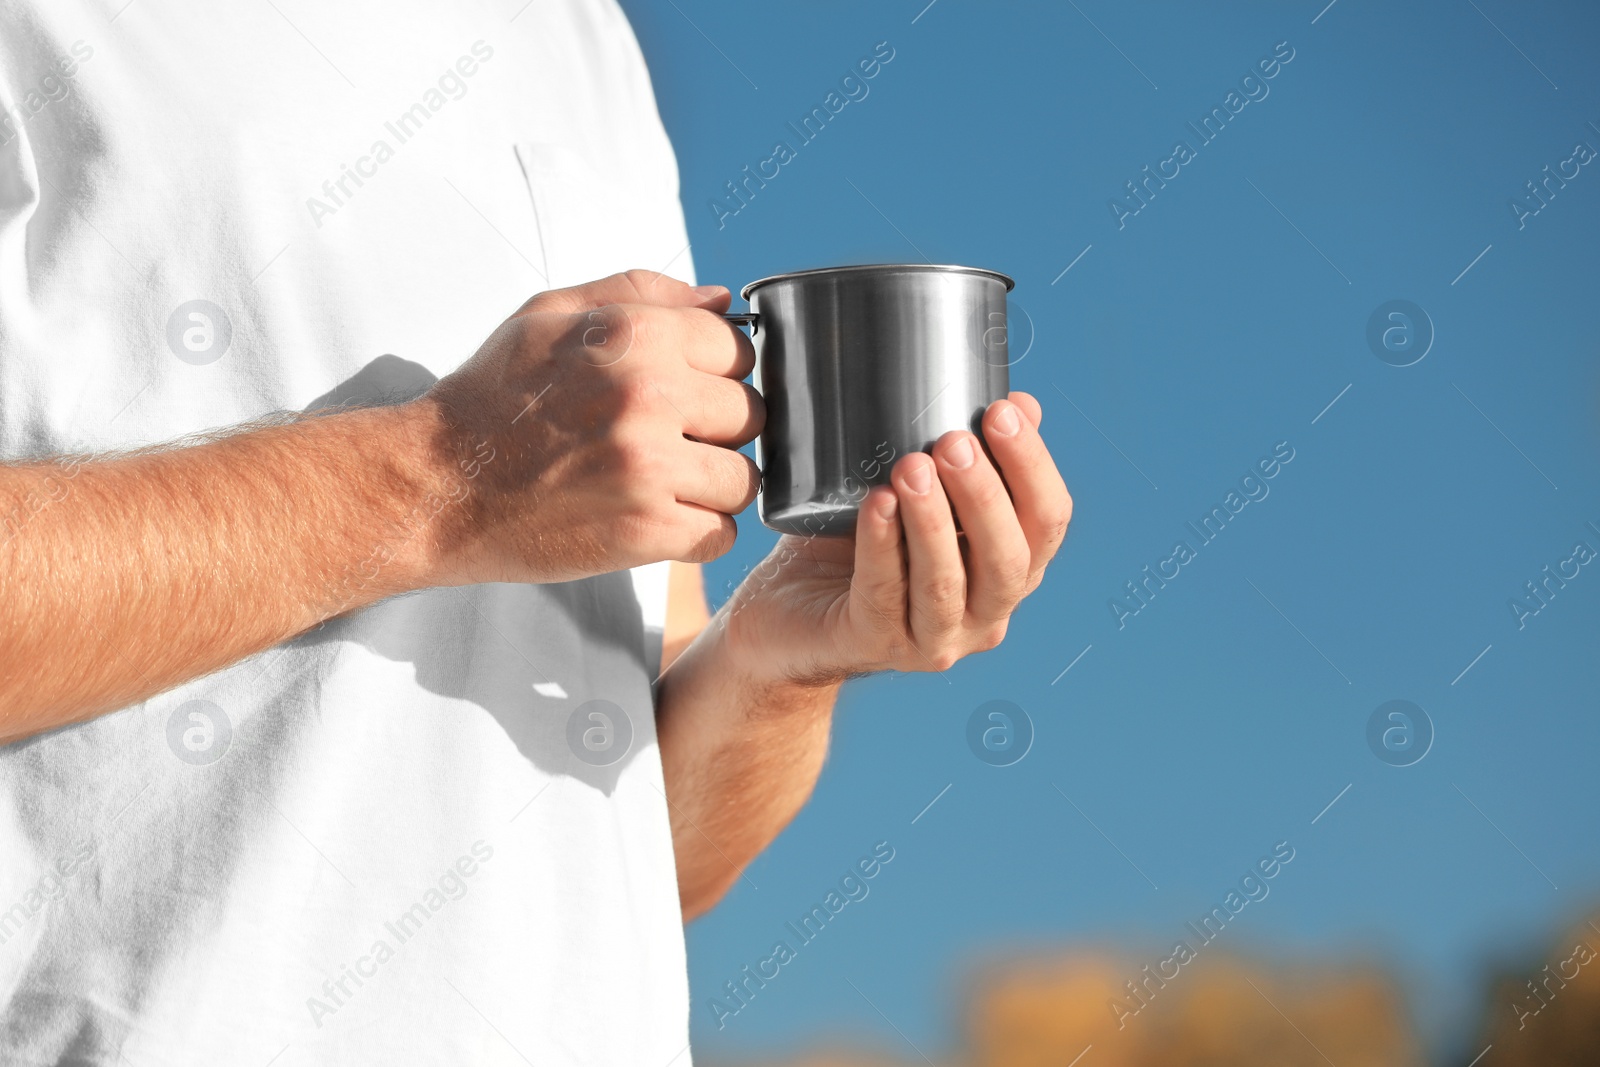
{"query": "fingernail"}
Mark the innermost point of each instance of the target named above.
(709, 290)
(1006, 422)
(959, 453)
(919, 479)
(888, 504)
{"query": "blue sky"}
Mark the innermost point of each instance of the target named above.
(1180, 348)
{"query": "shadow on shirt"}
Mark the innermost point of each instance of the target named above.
(532, 656)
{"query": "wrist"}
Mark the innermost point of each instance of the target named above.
(754, 686)
(407, 462)
(761, 639)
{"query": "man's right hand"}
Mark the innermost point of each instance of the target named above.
(595, 430)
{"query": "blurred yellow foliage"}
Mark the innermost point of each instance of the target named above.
(1220, 1012)
(1226, 1011)
(1549, 1012)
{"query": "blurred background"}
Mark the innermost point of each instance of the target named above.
(1379, 262)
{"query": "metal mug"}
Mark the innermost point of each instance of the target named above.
(859, 366)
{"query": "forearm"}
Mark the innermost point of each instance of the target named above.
(741, 746)
(124, 576)
(740, 752)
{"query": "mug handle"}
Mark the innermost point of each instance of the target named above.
(744, 318)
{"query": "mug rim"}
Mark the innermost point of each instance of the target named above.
(931, 268)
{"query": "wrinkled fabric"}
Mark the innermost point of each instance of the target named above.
(400, 838)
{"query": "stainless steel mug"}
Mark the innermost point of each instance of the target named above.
(859, 366)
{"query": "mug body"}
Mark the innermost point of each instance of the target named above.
(859, 366)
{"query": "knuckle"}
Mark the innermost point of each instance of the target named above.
(707, 328)
(945, 592)
(640, 534)
(991, 636)
(943, 659)
(749, 410)
(544, 301)
(636, 462)
(645, 329)
(895, 650)
(735, 409)
(604, 335)
(757, 406)
(717, 480)
(988, 493)
(885, 618)
(649, 286)
(653, 333)
(888, 638)
(713, 403)
(944, 599)
(639, 395)
(713, 543)
(1059, 521)
(1014, 566)
(750, 475)
(727, 344)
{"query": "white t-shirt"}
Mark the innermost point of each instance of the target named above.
(408, 837)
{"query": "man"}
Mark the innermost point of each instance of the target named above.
(339, 737)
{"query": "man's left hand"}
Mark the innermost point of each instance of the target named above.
(909, 592)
